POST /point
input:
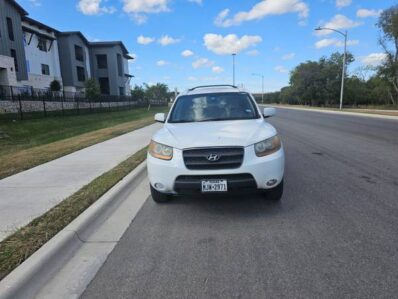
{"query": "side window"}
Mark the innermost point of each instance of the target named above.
(79, 53)
(10, 29)
(14, 55)
(81, 74)
(45, 69)
(42, 45)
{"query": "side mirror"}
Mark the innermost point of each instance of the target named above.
(160, 117)
(268, 112)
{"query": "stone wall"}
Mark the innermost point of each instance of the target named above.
(7, 106)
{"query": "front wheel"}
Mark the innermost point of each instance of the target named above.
(159, 197)
(275, 193)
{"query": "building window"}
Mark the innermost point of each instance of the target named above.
(102, 61)
(14, 55)
(120, 65)
(81, 74)
(79, 53)
(42, 45)
(104, 85)
(45, 69)
(121, 91)
(10, 29)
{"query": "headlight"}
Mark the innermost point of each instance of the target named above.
(268, 146)
(160, 151)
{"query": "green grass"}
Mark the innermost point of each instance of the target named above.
(16, 248)
(23, 134)
(25, 144)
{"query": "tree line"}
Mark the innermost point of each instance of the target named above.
(318, 83)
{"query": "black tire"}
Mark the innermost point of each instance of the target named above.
(159, 197)
(276, 193)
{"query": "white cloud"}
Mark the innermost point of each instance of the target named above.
(192, 78)
(139, 19)
(289, 56)
(366, 13)
(202, 62)
(253, 53)
(161, 63)
(338, 22)
(262, 9)
(328, 42)
(92, 7)
(138, 8)
(186, 53)
(142, 40)
(343, 3)
(196, 1)
(217, 69)
(145, 6)
(166, 40)
(281, 69)
(230, 43)
(374, 59)
(35, 3)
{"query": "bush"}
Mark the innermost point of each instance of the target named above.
(55, 86)
(92, 89)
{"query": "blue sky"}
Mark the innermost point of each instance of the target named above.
(270, 36)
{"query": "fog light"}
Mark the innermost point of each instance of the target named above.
(272, 182)
(159, 186)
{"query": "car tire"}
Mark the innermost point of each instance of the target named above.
(159, 197)
(275, 193)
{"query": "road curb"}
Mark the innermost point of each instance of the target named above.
(27, 279)
(348, 113)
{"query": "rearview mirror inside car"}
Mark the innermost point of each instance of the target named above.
(160, 117)
(268, 112)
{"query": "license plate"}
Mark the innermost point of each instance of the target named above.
(214, 186)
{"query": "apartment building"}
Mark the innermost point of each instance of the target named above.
(74, 55)
(41, 50)
(12, 50)
(33, 54)
(110, 66)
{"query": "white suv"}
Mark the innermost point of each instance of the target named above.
(214, 140)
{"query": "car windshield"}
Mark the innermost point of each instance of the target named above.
(213, 107)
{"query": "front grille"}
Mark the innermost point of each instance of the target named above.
(186, 184)
(229, 157)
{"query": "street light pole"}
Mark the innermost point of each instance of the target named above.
(262, 86)
(345, 34)
(344, 70)
(233, 69)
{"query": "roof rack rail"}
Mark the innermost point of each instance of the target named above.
(207, 86)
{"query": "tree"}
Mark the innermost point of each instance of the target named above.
(317, 82)
(138, 93)
(55, 86)
(159, 91)
(388, 23)
(93, 91)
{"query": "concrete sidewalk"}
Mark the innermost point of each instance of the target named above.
(31, 193)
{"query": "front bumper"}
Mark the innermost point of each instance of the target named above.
(165, 176)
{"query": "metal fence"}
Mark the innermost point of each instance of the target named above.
(27, 102)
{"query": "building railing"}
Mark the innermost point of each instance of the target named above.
(27, 102)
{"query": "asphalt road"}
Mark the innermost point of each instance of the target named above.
(333, 235)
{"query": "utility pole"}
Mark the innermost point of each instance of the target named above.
(233, 69)
(345, 34)
(262, 85)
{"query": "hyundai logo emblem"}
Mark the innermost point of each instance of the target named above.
(213, 157)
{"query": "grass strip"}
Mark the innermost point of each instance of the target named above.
(25, 159)
(387, 112)
(25, 241)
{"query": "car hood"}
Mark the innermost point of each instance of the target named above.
(216, 133)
